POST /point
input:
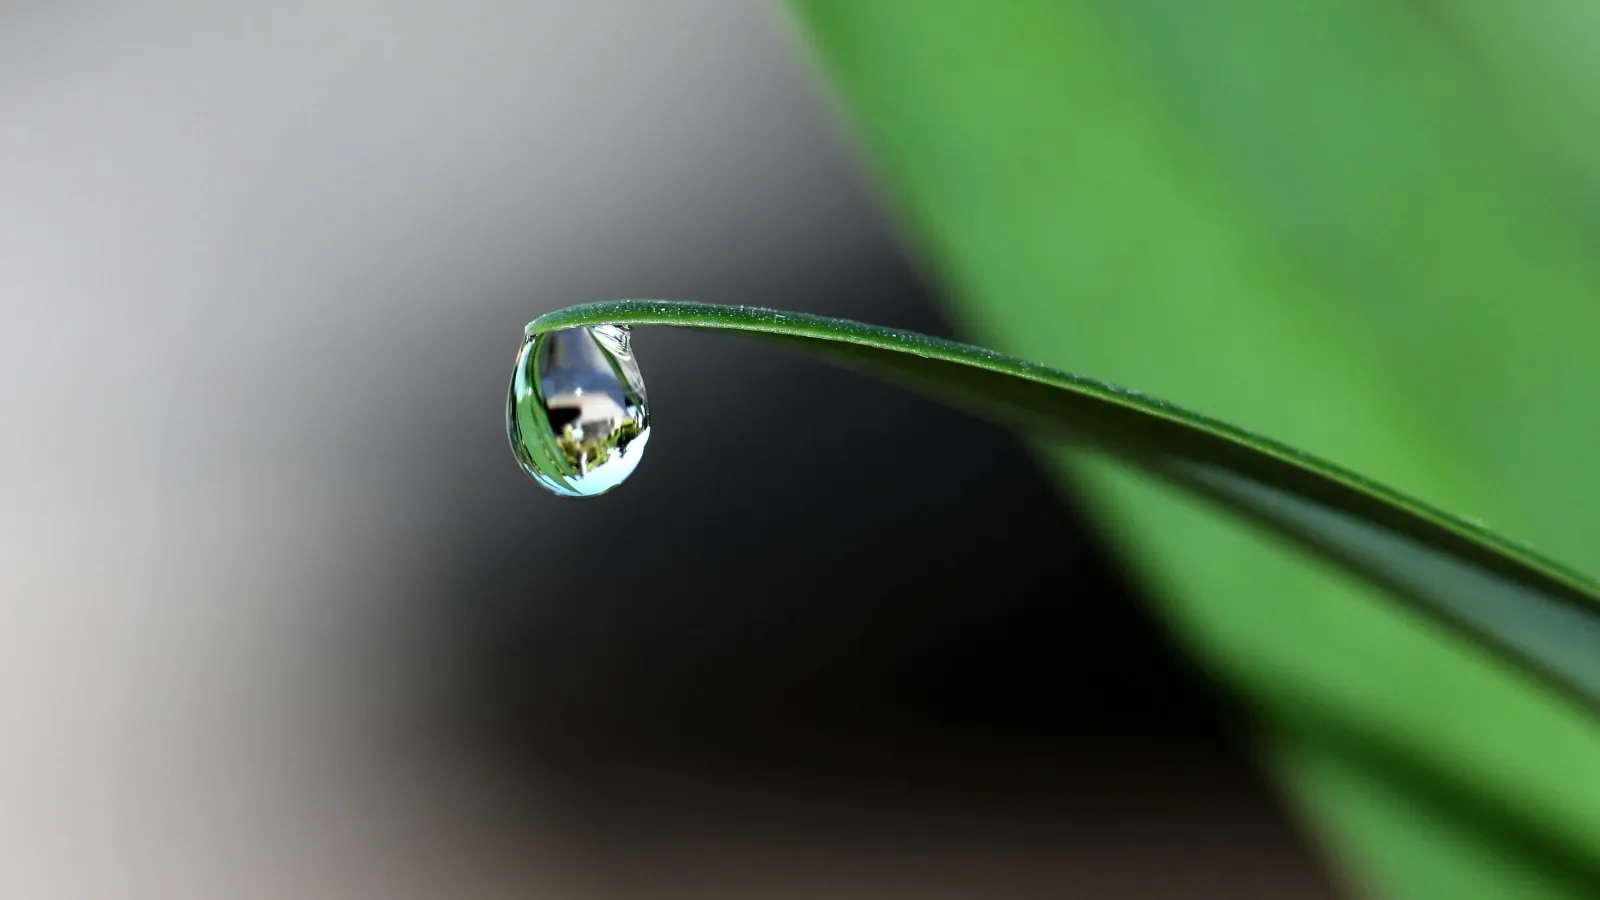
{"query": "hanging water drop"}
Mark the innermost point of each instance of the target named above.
(576, 411)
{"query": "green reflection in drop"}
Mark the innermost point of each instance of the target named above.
(576, 413)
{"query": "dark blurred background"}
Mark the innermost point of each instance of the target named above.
(284, 618)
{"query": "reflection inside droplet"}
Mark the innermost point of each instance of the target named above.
(576, 410)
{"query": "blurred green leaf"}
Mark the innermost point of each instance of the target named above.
(1363, 226)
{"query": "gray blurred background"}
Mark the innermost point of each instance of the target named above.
(284, 620)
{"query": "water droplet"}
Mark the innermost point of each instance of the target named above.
(576, 412)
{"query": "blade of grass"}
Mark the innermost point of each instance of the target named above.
(1528, 608)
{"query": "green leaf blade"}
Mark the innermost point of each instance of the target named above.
(1531, 608)
(1301, 217)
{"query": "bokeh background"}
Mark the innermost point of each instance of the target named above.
(284, 619)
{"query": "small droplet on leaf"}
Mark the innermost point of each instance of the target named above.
(576, 412)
